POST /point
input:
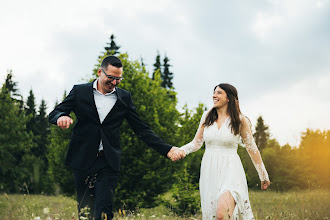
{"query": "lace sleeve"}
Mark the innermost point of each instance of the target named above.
(198, 140)
(252, 149)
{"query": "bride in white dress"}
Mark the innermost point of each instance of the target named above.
(223, 186)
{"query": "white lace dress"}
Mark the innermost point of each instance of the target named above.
(221, 168)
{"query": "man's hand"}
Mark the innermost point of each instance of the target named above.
(265, 184)
(64, 122)
(176, 154)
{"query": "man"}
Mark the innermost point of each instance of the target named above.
(94, 150)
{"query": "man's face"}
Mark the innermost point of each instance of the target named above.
(106, 83)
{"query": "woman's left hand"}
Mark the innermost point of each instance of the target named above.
(265, 184)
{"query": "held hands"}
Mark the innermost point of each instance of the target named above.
(176, 154)
(64, 122)
(265, 184)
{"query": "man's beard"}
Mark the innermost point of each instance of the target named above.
(109, 87)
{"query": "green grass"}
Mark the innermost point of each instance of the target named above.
(31, 206)
(295, 205)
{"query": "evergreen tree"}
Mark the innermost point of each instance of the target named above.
(42, 132)
(167, 76)
(10, 85)
(112, 48)
(42, 126)
(15, 142)
(11, 88)
(261, 135)
(157, 66)
(30, 112)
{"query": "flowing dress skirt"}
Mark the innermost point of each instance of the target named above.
(222, 171)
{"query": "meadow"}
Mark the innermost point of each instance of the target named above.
(309, 204)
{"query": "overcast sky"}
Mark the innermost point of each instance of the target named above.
(276, 53)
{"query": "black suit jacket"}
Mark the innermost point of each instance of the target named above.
(88, 131)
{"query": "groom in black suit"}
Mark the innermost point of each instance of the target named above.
(94, 150)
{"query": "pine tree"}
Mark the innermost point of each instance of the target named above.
(167, 75)
(42, 132)
(15, 143)
(261, 135)
(112, 48)
(42, 127)
(11, 87)
(30, 112)
(157, 66)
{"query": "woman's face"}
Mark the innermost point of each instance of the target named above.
(220, 98)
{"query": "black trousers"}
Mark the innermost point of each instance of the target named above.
(96, 189)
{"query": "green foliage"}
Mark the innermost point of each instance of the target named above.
(35, 170)
(189, 122)
(250, 171)
(11, 88)
(295, 168)
(157, 66)
(186, 199)
(261, 135)
(112, 48)
(30, 113)
(60, 174)
(36, 163)
(167, 76)
(15, 142)
(42, 131)
(141, 164)
(314, 150)
(61, 177)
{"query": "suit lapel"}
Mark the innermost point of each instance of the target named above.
(117, 105)
(92, 101)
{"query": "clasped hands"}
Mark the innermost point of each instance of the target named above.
(176, 154)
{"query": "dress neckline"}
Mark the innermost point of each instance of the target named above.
(218, 128)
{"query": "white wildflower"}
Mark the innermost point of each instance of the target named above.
(46, 211)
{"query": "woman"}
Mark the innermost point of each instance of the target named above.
(223, 186)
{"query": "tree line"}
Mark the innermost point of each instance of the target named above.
(32, 152)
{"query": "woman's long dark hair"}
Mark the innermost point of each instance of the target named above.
(233, 109)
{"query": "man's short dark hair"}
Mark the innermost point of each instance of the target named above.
(111, 60)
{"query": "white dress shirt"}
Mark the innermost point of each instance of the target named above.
(103, 103)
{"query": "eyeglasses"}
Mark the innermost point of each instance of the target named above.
(111, 78)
